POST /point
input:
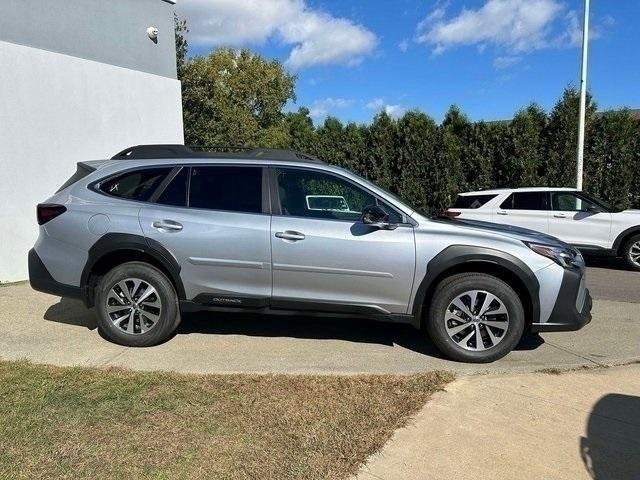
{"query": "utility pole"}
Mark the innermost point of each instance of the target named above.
(583, 96)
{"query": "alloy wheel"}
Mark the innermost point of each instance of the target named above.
(634, 253)
(134, 306)
(476, 320)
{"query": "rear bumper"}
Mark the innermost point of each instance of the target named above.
(572, 310)
(42, 281)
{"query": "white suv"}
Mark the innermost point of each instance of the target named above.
(571, 215)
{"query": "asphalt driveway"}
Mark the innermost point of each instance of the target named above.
(46, 329)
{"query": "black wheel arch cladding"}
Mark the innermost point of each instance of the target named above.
(624, 236)
(111, 243)
(456, 257)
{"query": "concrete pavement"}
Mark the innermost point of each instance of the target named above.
(577, 425)
(45, 329)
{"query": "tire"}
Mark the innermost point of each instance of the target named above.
(504, 311)
(631, 248)
(155, 317)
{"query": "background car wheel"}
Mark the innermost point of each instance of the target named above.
(137, 305)
(632, 252)
(475, 317)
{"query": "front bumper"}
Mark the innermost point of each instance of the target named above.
(572, 310)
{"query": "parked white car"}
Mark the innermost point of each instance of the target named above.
(571, 215)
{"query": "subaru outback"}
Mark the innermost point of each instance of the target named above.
(161, 230)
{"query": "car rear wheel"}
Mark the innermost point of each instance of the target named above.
(475, 317)
(137, 305)
(632, 252)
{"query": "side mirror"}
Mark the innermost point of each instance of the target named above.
(375, 216)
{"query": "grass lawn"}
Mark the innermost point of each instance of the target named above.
(88, 423)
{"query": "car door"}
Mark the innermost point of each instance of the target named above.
(579, 221)
(324, 258)
(218, 232)
(525, 209)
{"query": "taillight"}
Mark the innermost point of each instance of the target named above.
(451, 214)
(48, 211)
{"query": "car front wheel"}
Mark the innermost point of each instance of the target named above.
(137, 305)
(475, 317)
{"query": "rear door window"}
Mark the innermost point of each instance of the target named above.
(472, 201)
(135, 185)
(231, 188)
(526, 201)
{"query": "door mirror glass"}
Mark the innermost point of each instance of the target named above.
(377, 217)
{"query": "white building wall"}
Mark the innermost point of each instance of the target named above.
(57, 110)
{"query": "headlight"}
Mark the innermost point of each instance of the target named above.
(565, 257)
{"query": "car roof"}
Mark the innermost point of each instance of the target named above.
(521, 189)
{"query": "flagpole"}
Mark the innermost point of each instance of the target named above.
(583, 96)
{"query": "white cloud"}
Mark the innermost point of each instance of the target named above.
(376, 104)
(505, 62)
(322, 108)
(379, 105)
(518, 25)
(316, 37)
(404, 45)
(572, 36)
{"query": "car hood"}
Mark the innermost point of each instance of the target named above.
(517, 233)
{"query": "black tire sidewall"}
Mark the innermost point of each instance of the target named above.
(450, 288)
(627, 252)
(169, 317)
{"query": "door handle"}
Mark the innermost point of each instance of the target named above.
(290, 235)
(167, 226)
(500, 212)
(559, 215)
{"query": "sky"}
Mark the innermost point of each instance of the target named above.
(490, 57)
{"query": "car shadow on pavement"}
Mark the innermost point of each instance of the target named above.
(317, 327)
(612, 263)
(611, 448)
(71, 312)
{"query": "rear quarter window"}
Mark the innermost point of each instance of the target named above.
(472, 201)
(135, 185)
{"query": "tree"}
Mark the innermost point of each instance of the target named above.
(561, 138)
(501, 152)
(235, 98)
(382, 152)
(182, 46)
(610, 162)
(455, 135)
(420, 178)
(478, 167)
(525, 160)
(329, 142)
(355, 148)
(302, 134)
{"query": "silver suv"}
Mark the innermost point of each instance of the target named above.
(162, 229)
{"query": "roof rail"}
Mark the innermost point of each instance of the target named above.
(183, 151)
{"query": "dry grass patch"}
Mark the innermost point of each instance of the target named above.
(88, 423)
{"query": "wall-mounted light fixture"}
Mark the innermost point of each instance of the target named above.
(152, 32)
